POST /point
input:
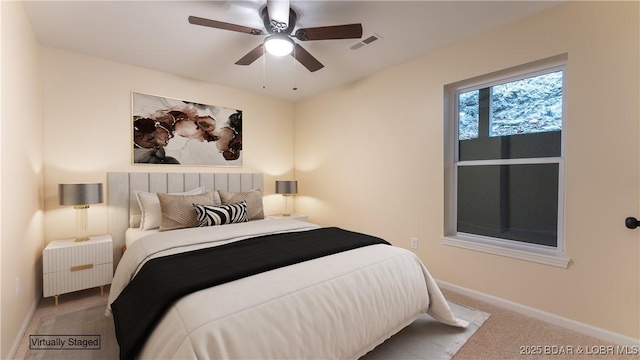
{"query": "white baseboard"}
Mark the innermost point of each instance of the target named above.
(23, 330)
(566, 323)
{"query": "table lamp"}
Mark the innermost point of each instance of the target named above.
(286, 188)
(80, 196)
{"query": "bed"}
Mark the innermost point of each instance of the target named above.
(273, 298)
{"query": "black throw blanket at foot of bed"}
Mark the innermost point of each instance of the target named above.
(164, 280)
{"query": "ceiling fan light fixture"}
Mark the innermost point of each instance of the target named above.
(278, 44)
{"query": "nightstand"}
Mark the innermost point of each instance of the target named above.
(69, 266)
(292, 216)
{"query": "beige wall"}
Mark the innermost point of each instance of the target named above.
(87, 112)
(21, 173)
(369, 157)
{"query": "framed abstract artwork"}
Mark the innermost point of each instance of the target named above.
(179, 132)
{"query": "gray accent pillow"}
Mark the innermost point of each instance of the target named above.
(253, 198)
(178, 211)
(151, 216)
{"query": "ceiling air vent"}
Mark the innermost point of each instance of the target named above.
(366, 40)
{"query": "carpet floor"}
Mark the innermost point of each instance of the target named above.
(85, 324)
(425, 338)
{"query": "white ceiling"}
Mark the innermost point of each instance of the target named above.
(156, 35)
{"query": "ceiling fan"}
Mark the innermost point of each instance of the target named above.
(279, 21)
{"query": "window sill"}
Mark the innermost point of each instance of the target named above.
(556, 259)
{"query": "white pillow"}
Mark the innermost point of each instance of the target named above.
(151, 214)
(134, 221)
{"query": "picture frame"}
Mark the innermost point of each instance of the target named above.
(168, 131)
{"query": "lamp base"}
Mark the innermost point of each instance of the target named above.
(81, 222)
(286, 204)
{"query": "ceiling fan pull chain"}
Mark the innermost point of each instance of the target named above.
(264, 69)
(295, 86)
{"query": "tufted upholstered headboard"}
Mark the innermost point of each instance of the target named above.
(122, 202)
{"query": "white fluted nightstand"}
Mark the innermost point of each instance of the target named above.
(292, 216)
(69, 266)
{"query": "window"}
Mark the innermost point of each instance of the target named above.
(504, 163)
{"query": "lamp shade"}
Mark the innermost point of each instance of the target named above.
(278, 44)
(79, 194)
(287, 187)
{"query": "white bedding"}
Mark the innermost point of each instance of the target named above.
(133, 234)
(337, 306)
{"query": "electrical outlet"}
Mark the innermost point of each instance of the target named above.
(17, 286)
(414, 242)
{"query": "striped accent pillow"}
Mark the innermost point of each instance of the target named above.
(208, 215)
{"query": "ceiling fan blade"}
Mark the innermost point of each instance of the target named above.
(252, 55)
(350, 31)
(306, 59)
(223, 25)
(278, 13)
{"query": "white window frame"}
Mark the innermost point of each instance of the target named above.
(555, 256)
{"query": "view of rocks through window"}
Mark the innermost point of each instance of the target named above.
(524, 106)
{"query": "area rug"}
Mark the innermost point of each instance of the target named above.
(425, 338)
(429, 339)
(82, 326)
